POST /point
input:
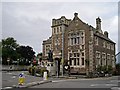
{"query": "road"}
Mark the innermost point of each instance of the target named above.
(11, 78)
(111, 82)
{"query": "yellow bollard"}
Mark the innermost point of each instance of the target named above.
(21, 79)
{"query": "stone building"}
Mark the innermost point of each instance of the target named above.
(80, 45)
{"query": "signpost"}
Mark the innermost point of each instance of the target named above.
(8, 60)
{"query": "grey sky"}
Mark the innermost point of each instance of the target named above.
(30, 22)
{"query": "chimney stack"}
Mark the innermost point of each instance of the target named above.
(98, 23)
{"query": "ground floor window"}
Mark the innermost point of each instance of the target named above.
(82, 61)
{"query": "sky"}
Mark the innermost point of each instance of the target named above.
(30, 22)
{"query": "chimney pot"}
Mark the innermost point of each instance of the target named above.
(75, 14)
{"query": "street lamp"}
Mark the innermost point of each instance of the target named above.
(62, 45)
(8, 60)
(17, 62)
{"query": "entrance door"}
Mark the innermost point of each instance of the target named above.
(57, 64)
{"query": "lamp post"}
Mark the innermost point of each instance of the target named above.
(62, 45)
(8, 60)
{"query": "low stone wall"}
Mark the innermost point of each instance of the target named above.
(14, 67)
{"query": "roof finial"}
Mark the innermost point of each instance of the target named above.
(75, 14)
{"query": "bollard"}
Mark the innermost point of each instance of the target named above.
(21, 79)
(45, 76)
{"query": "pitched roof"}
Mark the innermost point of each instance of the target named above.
(103, 37)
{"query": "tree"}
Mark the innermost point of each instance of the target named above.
(109, 69)
(39, 56)
(9, 46)
(118, 68)
(26, 54)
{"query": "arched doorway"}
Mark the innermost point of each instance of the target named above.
(57, 65)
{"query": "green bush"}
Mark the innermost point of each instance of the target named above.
(30, 70)
(39, 70)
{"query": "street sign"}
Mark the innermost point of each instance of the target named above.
(66, 67)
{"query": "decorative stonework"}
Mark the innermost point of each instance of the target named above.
(76, 37)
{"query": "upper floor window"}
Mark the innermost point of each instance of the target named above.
(82, 33)
(57, 30)
(82, 53)
(108, 45)
(60, 29)
(82, 47)
(78, 40)
(104, 44)
(96, 40)
(112, 46)
(54, 30)
(108, 56)
(74, 39)
(47, 48)
(82, 40)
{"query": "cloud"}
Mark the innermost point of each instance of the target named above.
(59, 1)
(30, 22)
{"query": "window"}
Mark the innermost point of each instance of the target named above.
(78, 54)
(70, 61)
(51, 64)
(71, 41)
(74, 58)
(104, 43)
(82, 53)
(78, 40)
(112, 46)
(108, 59)
(82, 47)
(82, 40)
(74, 38)
(74, 54)
(57, 30)
(54, 30)
(60, 29)
(75, 41)
(78, 61)
(108, 45)
(98, 58)
(96, 40)
(82, 33)
(47, 48)
(113, 61)
(68, 41)
(70, 54)
(74, 61)
(82, 61)
(103, 59)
